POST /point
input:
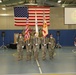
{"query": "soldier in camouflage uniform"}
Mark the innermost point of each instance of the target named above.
(44, 42)
(28, 49)
(36, 42)
(41, 37)
(23, 33)
(51, 46)
(32, 35)
(20, 45)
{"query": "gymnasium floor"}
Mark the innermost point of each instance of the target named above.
(64, 63)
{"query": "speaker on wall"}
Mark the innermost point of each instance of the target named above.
(58, 33)
(3, 34)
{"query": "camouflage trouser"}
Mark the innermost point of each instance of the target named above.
(43, 52)
(20, 55)
(51, 53)
(43, 55)
(20, 52)
(29, 54)
(36, 52)
(36, 55)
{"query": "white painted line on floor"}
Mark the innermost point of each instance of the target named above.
(37, 63)
(39, 66)
(40, 70)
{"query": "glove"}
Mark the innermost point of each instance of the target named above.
(36, 44)
(22, 46)
(49, 42)
(75, 44)
(28, 44)
(16, 42)
(44, 44)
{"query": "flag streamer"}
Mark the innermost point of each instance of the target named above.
(45, 27)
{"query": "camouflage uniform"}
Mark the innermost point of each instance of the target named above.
(51, 47)
(40, 36)
(28, 49)
(44, 42)
(36, 47)
(20, 45)
(32, 36)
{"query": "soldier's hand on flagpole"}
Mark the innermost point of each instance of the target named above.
(49, 42)
(16, 42)
(44, 44)
(28, 44)
(36, 44)
(22, 46)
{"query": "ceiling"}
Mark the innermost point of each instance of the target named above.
(51, 3)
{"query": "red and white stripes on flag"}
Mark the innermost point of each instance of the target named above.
(27, 34)
(31, 15)
(39, 11)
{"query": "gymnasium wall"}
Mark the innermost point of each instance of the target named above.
(66, 37)
(67, 32)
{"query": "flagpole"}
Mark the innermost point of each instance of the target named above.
(36, 26)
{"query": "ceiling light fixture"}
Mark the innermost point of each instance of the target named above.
(0, 1)
(59, 1)
(3, 8)
(4, 14)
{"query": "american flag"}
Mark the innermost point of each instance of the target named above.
(20, 15)
(27, 34)
(30, 13)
